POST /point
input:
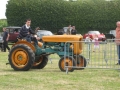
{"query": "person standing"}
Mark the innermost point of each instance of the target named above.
(69, 30)
(5, 40)
(96, 43)
(118, 40)
(88, 39)
(73, 31)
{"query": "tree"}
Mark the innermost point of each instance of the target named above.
(3, 23)
(55, 14)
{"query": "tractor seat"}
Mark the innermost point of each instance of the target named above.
(24, 40)
(21, 39)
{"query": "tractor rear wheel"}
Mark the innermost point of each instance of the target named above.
(81, 62)
(21, 57)
(41, 63)
(69, 61)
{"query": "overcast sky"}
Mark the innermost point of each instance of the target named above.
(3, 8)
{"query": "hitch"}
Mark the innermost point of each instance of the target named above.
(7, 63)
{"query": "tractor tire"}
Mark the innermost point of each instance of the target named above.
(69, 61)
(21, 57)
(41, 63)
(81, 62)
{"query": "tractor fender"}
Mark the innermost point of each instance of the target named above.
(25, 43)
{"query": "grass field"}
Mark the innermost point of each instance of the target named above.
(51, 78)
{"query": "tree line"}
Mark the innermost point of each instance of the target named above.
(55, 14)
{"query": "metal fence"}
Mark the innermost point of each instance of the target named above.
(101, 56)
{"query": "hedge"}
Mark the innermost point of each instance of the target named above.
(3, 23)
(55, 14)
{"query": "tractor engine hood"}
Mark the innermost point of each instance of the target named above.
(62, 38)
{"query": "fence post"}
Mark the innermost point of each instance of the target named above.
(88, 49)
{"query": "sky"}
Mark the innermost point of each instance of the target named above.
(3, 9)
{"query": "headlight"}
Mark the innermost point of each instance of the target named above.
(103, 36)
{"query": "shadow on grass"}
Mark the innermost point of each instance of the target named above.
(31, 70)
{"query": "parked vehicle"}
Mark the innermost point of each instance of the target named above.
(91, 34)
(41, 33)
(60, 32)
(1, 42)
(111, 34)
(65, 29)
(13, 32)
(1, 37)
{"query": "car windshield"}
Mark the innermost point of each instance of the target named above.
(11, 30)
(112, 32)
(1, 34)
(17, 30)
(93, 32)
(1, 38)
(44, 33)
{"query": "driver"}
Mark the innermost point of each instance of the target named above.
(26, 31)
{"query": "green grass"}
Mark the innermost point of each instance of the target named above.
(51, 78)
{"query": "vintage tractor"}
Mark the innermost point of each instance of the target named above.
(24, 55)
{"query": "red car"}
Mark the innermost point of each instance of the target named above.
(91, 34)
(13, 32)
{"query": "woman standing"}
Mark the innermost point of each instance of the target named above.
(118, 40)
(96, 42)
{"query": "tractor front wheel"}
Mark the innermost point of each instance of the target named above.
(40, 63)
(21, 57)
(66, 61)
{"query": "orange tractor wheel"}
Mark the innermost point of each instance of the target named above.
(40, 63)
(21, 57)
(66, 61)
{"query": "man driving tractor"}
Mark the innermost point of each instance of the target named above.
(26, 31)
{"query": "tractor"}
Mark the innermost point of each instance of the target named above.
(25, 55)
